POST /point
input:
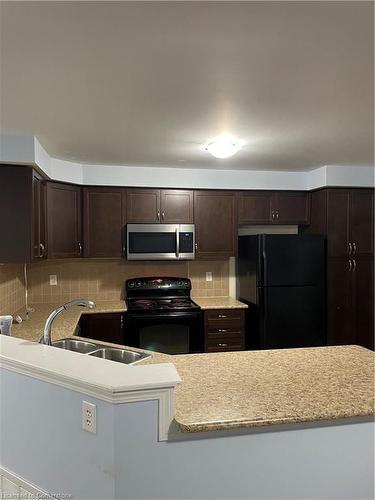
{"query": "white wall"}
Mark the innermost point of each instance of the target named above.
(42, 441)
(27, 150)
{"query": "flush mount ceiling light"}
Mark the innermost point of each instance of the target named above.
(223, 147)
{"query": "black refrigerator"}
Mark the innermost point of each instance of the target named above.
(282, 279)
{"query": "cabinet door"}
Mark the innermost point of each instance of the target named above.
(104, 216)
(64, 221)
(143, 206)
(341, 327)
(176, 206)
(291, 207)
(215, 224)
(362, 221)
(105, 327)
(254, 207)
(363, 303)
(338, 222)
(39, 248)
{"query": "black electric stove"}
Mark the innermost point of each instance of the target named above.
(162, 317)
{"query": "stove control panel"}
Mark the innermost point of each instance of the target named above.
(158, 284)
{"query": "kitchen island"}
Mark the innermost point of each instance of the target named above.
(230, 421)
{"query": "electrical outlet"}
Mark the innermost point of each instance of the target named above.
(209, 276)
(53, 279)
(88, 417)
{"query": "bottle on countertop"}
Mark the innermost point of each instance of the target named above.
(6, 325)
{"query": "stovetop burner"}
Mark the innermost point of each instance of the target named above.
(161, 304)
(159, 294)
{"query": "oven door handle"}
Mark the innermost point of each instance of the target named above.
(177, 242)
(158, 316)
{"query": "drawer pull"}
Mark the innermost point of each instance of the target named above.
(222, 330)
(222, 316)
(223, 345)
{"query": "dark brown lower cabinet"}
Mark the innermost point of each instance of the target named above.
(105, 327)
(350, 301)
(224, 330)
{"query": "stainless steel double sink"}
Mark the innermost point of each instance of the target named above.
(126, 356)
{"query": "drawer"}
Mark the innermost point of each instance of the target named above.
(231, 344)
(224, 316)
(225, 332)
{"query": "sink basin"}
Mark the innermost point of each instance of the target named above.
(75, 345)
(119, 355)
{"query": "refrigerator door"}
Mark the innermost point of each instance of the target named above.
(291, 260)
(291, 317)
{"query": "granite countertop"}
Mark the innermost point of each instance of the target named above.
(65, 324)
(219, 303)
(231, 390)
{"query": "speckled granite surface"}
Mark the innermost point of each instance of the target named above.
(242, 389)
(219, 303)
(257, 388)
(65, 324)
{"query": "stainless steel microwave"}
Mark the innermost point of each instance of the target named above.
(160, 241)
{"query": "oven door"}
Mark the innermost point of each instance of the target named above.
(160, 241)
(170, 333)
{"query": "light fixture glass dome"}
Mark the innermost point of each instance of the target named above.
(224, 147)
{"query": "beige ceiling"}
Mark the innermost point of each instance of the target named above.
(146, 83)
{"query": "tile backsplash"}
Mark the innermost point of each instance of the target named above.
(104, 279)
(12, 288)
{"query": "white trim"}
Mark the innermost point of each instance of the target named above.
(26, 150)
(30, 488)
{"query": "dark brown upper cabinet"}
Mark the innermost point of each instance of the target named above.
(346, 217)
(104, 219)
(143, 206)
(176, 206)
(22, 215)
(291, 207)
(255, 207)
(159, 206)
(64, 224)
(274, 207)
(215, 224)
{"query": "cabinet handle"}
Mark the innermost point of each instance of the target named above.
(158, 215)
(277, 215)
(80, 248)
(196, 246)
(162, 215)
(222, 316)
(223, 345)
(350, 265)
(222, 330)
(122, 322)
(354, 265)
(354, 248)
(42, 250)
(273, 215)
(350, 248)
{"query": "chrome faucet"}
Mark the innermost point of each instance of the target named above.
(46, 337)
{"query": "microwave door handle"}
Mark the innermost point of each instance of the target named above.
(177, 242)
